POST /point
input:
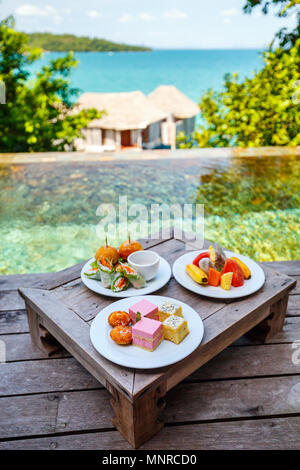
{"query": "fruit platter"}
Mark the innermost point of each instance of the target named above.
(125, 271)
(218, 273)
(146, 332)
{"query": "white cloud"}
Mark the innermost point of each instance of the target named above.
(175, 14)
(146, 16)
(227, 20)
(29, 10)
(34, 10)
(125, 18)
(229, 12)
(94, 14)
(58, 19)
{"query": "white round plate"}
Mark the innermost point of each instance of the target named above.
(251, 285)
(134, 357)
(162, 277)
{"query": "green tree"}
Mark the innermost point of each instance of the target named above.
(70, 42)
(285, 7)
(262, 110)
(38, 114)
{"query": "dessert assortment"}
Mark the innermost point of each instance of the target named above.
(112, 268)
(213, 268)
(146, 325)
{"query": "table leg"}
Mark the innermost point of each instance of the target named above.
(40, 336)
(273, 323)
(139, 420)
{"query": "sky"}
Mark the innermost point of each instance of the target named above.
(189, 24)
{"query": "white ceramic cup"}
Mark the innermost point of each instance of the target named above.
(145, 262)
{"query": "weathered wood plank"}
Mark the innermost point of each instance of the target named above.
(19, 347)
(268, 434)
(289, 334)
(296, 290)
(11, 300)
(13, 322)
(293, 305)
(50, 413)
(66, 275)
(52, 375)
(84, 302)
(233, 399)
(290, 268)
(65, 289)
(73, 333)
(250, 361)
(170, 250)
(160, 237)
(191, 241)
(258, 434)
(14, 281)
(87, 410)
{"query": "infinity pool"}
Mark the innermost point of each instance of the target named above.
(48, 210)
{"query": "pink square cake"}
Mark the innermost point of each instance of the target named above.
(147, 333)
(146, 309)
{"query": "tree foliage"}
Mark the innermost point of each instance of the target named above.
(262, 110)
(37, 115)
(70, 42)
(285, 7)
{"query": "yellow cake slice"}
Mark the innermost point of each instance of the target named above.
(168, 308)
(175, 328)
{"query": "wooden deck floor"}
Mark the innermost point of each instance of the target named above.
(248, 397)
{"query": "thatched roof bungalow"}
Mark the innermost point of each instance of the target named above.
(132, 119)
(172, 101)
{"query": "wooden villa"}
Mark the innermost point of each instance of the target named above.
(180, 109)
(134, 120)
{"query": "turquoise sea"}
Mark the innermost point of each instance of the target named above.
(192, 71)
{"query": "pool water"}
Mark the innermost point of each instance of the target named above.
(48, 210)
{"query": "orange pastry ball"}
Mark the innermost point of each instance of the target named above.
(108, 252)
(121, 334)
(129, 247)
(119, 318)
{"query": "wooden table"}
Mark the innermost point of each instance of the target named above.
(61, 308)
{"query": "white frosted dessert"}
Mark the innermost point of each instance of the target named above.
(168, 308)
(175, 328)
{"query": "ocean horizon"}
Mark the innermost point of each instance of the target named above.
(192, 71)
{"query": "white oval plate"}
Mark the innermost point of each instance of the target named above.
(165, 354)
(162, 277)
(250, 286)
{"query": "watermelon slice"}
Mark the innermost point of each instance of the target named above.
(232, 266)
